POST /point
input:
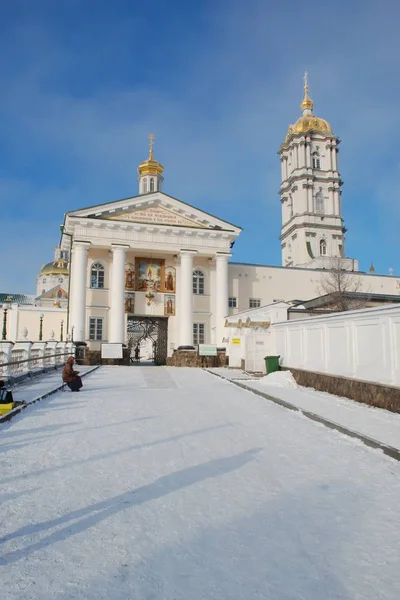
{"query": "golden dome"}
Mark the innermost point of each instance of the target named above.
(308, 121)
(58, 267)
(150, 166)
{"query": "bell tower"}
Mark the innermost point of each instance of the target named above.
(313, 231)
(150, 172)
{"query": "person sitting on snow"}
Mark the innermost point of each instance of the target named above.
(71, 377)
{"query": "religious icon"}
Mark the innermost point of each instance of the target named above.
(149, 273)
(169, 305)
(170, 278)
(129, 277)
(130, 302)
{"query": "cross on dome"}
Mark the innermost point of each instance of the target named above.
(151, 144)
(307, 104)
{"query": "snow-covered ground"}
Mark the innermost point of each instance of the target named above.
(376, 423)
(173, 484)
(31, 389)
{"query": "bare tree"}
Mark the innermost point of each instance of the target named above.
(344, 288)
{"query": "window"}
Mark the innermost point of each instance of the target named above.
(95, 328)
(145, 186)
(319, 202)
(254, 303)
(316, 162)
(322, 248)
(198, 282)
(198, 333)
(97, 276)
(152, 184)
(232, 302)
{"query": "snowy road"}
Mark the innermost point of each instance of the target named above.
(170, 484)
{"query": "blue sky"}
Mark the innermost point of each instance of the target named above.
(83, 82)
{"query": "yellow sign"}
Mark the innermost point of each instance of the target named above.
(236, 341)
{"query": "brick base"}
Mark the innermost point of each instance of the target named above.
(373, 394)
(190, 358)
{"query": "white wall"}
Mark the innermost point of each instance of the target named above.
(362, 344)
(279, 283)
(249, 340)
(19, 317)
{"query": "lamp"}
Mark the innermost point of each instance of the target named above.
(6, 308)
(41, 327)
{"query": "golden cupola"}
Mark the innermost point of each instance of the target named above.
(150, 166)
(57, 267)
(308, 121)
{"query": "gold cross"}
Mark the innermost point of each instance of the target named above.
(306, 84)
(151, 138)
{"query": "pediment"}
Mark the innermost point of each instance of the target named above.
(157, 209)
(54, 293)
(157, 215)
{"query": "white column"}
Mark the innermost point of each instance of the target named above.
(310, 204)
(213, 288)
(282, 169)
(330, 149)
(78, 290)
(331, 202)
(186, 299)
(308, 155)
(334, 158)
(222, 295)
(117, 295)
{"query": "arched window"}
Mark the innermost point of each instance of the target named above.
(97, 276)
(198, 282)
(316, 161)
(319, 202)
(145, 186)
(152, 184)
(322, 248)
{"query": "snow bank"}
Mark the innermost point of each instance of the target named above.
(280, 379)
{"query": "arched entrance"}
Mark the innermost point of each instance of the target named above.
(148, 339)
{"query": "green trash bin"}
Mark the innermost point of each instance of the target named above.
(272, 364)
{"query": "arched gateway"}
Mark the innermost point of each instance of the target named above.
(148, 339)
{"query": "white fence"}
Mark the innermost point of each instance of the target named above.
(25, 358)
(362, 344)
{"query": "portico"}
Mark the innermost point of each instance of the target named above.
(149, 255)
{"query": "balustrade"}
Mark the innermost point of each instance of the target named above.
(43, 356)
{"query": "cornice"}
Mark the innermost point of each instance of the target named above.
(295, 227)
(287, 184)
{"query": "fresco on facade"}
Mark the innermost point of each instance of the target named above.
(149, 274)
(130, 302)
(129, 277)
(170, 279)
(169, 305)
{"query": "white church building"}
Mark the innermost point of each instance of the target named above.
(154, 262)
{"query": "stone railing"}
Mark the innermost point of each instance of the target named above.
(24, 359)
